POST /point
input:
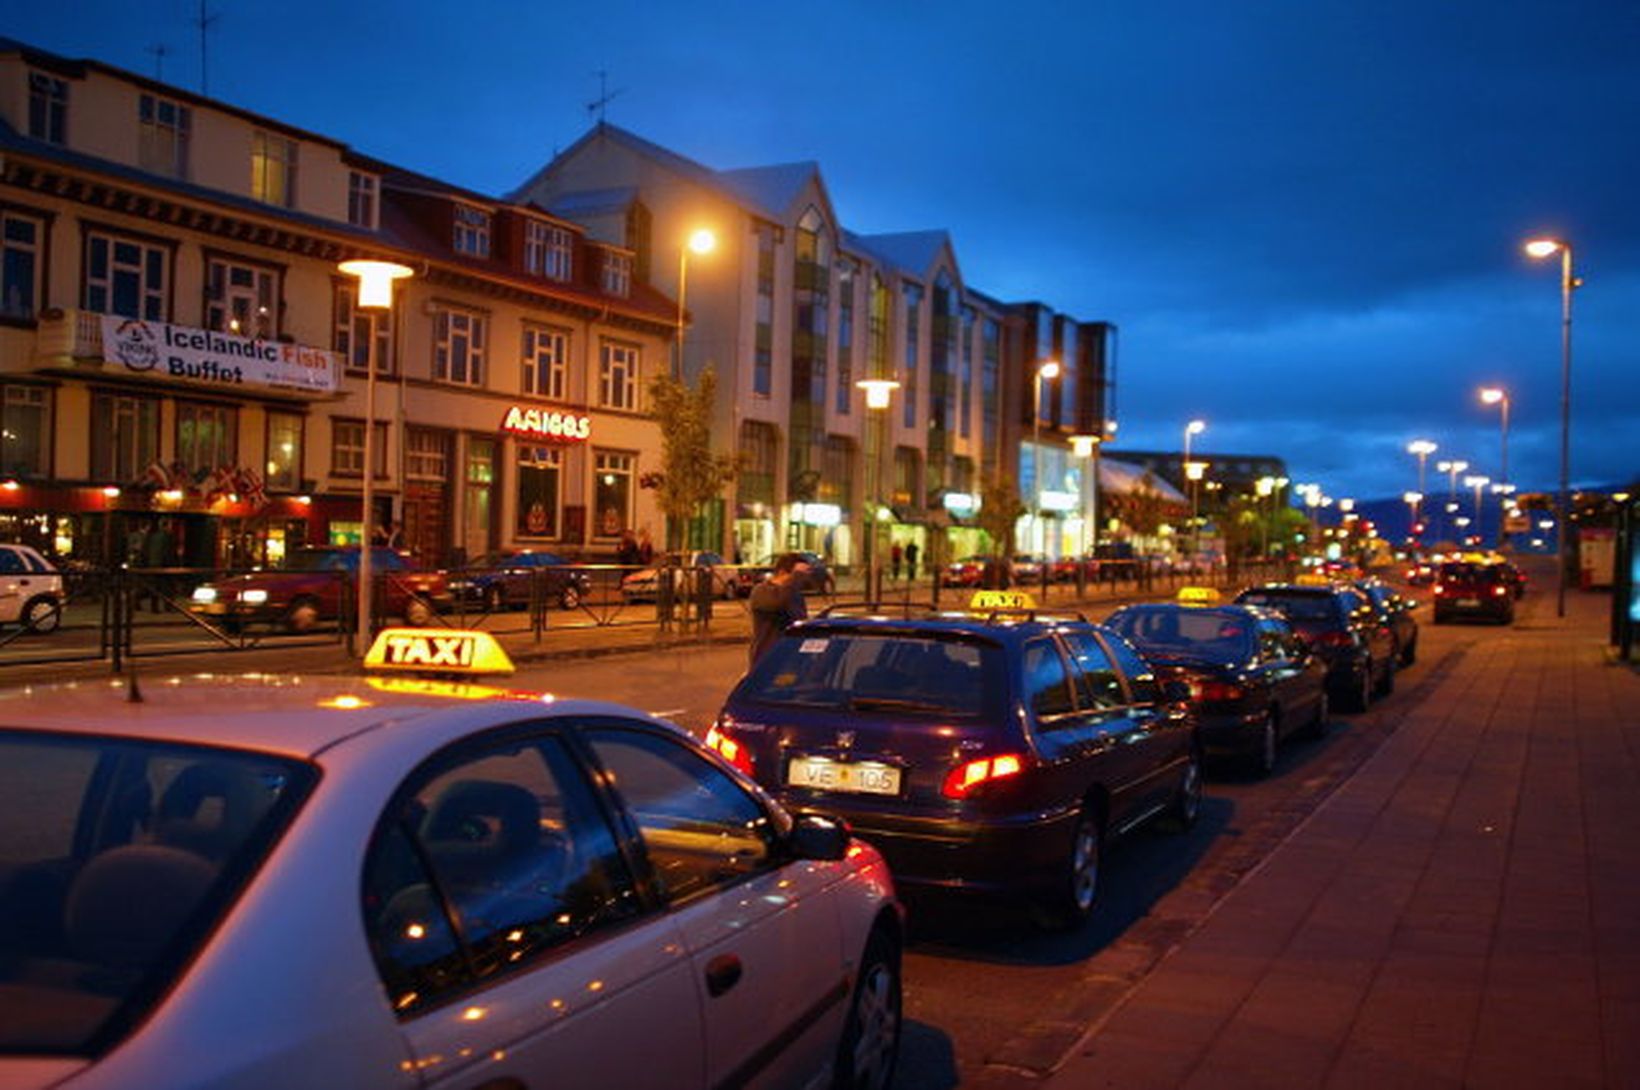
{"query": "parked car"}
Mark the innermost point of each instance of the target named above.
(262, 881)
(1027, 568)
(1465, 588)
(1514, 577)
(31, 589)
(643, 585)
(1343, 628)
(981, 756)
(313, 586)
(1395, 609)
(820, 579)
(1253, 680)
(507, 580)
(966, 572)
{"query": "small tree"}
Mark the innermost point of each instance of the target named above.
(691, 475)
(999, 510)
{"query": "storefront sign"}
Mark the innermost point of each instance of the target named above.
(181, 354)
(1059, 501)
(548, 424)
(961, 504)
(819, 514)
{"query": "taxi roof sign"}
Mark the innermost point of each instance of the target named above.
(1312, 579)
(985, 601)
(1199, 596)
(437, 651)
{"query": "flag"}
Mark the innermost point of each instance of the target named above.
(156, 478)
(251, 489)
(220, 482)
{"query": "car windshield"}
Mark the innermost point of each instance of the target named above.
(342, 560)
(887, 672)
(1471, 573)
(1221, 635)
(1295, 605)
(117, 859)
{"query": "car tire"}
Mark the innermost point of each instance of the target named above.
(1386, 683)
(1361, 696)
(495, 600)
(302, 616)
(570, 597)
(1409, 653)
(1075, 891)
(1269, 742)
(1186, 807)
(417, 612)
(42, 615)
(871, 1034)
(1318, 722)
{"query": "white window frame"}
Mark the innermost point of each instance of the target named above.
(35, 248)
(250, 310)
(426, 455)
(532, 456)
(47, 98)
(545, 369)
(617, 274)
(273, 169)
(347, 450)
(620, 366)
(548, 250)
(363, 203)
(459, 338)
(355, 325)
(470, 231)
(162, 143)
(159, 295)
(620, 463)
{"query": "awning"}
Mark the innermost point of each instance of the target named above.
(1120, 478)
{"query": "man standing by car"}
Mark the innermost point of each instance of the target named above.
(776, 603)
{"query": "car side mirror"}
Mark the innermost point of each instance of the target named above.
(818, 836)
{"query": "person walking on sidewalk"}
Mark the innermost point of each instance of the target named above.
(911, 552)
(776, 603)
(895, 555)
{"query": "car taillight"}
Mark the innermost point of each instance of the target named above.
(1439, 589)
(731, 750)
(965, 777)
(1215, 690)
(1500, 590)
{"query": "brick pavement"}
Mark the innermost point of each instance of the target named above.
(1463, 912)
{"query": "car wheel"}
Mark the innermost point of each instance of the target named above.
(1076, 887)
(570, 597)
(1386, 683)
(303, 615)
(1269, 740)
(1409, 653)
(1361, 697)
(871, 1035)
(1318, 723)
(1187, 804)
(417, 612)
(42, 615)
(494, 600)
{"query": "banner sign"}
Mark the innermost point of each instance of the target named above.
(163, 351)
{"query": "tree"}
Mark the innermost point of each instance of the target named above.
(691, 475)
(999, 509)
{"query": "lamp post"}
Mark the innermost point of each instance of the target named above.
(879, 394)
(1413, 500)
(1195, 427)
(700, 241)
(375, 295)
(1541, 248)
(1264, 487)
(1046, 371)
(1496, 395)
(1451, 469)
(1477, 482)
(1422, 448)
(1087, 447)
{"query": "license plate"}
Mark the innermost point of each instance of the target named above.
(211, 608)
(861, 777)
(1471, 602)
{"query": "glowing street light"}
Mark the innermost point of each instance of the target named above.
(1195, 427)
(1542, 248)
(1046, 371)
(879, 394)
(1477, 482)
(1087, 448)
(700, 241)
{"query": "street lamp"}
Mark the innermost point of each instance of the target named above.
(1477, 482)
(1087, 448)
(1413, 500)
(1046, 371)
(700, 241)
(1451, 469)
(375, 280)
(1496, 395)
(1541, 248)
(1195, 427)
(1423, 448)
(879, 394)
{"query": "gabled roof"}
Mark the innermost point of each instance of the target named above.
(593, 202)
(912, 252)
(772, 187)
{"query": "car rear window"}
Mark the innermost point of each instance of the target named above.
(1472, 573)
(1295, 605)
(1217, 634)
(117, 859)
(894, 673)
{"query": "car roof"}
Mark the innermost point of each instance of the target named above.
(1294, 589)
(282, 714)
(1246, 609)
(1001, 626)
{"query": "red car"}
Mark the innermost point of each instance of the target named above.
(314, 584)
(967, 572)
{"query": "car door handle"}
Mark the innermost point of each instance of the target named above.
(722, 973)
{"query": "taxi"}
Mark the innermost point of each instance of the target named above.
(418, 879)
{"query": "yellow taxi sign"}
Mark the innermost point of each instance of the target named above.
(437, 651)
(1313, 579)
(985, 601)
(1199, 596)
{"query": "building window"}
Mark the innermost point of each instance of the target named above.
(472, 231)
(284, 464)
(907, 475)
(847, 272)
(47, 108)
(458, 347)
(990, 371)
(162, 131)
(426, 455)
(21, 239)
(913, 327)
(540, 490)
(548, 250)
(617, 276)
(546, 357)
(126, 277)
(25, 430)
(361, 199)
(347, 449)
(965, 405)
(353, 330)
(763, 353)
(759, 450)
(618, 376)
(273, 169)
(205, 437)
(241, 298)
(612, 491)
(124, 436)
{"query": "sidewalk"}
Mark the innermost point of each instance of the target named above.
(1464, 911)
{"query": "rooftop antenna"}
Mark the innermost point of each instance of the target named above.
(605, 95)
(206, 18)
(159, 49)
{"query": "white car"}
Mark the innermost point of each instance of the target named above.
(31, 590)
(643, 585)
(273, 882)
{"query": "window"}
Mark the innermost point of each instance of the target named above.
(472, 231)
(1097, 682)
(487, 862)
(546, 357)
(22, 238)
(25, 430)
(1141, 682)
(618, 376)
(124, 436)
(763, 353)
(353, 330)
(284, 468)
(965, 403)
(458, 347)
(162, 136)
(273, 169)
(47, 107)
(913, 327)
(990, 369)
(612, 492)
(361, 199)
(127, 277)
(426, 454)
(241, 298)
(846, 274)
(617, 274)
(206, 436)
(548, 250)
(1047, 683)
(700, 829)
(759, 450)
(540, 489)
(347, 449)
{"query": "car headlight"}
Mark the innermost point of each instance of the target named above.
(204, 594)
(254, 597)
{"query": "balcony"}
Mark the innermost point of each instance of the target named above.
(68, 335)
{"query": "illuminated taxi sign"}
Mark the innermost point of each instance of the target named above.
(1199, 596)
(984, 601)
(1313, 579)
(437, 651)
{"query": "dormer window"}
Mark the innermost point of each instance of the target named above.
(163, 132)
(472, 231)
(548, 250)
(47, 107)
(361, 199)
(273, 169)
(617, 274)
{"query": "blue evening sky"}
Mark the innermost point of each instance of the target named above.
(1305, 215)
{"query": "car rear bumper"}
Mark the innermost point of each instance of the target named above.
(1230, 734)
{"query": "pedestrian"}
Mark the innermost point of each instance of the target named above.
(895, 555)
(911, 551)
(777, 603)
(627, 554)
(157, 552)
